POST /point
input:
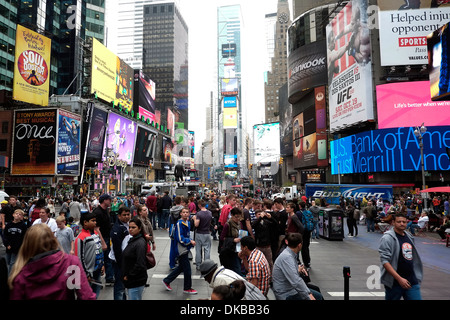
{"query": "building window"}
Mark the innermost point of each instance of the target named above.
(5, 126)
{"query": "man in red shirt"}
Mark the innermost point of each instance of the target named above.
(231, 202)
(150, 202)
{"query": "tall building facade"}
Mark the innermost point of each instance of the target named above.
(277, 76)
(165, 58)
(231, 134)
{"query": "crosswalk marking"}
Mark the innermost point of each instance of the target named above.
(358, 294)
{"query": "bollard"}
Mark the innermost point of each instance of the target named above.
(346, 272)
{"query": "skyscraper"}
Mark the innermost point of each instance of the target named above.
(165, 58)
(277, 76)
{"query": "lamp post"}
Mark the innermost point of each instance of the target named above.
(418, 132)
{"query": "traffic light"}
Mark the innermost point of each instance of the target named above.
(281, 160)
(251, 166)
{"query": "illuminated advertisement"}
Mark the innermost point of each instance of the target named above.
(144, 97)
(230, 161)
(229, 118)
(390, 150)
(229, 50)
(120, 137)
(230, 87)
(68, 152)
(230, 141)
(97, 132)
(231, 174)
(171, 122)
(438, 63)
(34, 142)
(404, 26)
(266, 139)
(408, 103)
(145, 149)
(167, 146)
(191, 142)
(349, 67)
(229, 102)
(32, 67)
(111, 78)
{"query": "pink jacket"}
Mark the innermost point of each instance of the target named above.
(53, 275)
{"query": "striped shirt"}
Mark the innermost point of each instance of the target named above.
(258, 267)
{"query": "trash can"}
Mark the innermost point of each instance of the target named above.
(331, 223)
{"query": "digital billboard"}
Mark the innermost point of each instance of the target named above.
(191, 142)
(34, 142)
(390, 150)
(120, 137)
(404, 26)
(266, 141)
(145, 149)
(111, 78)
(230, 102)
(144, 97)
(228, 50)
(97, 133)
(68, 151)
(32, 67)
(230, 87)
(438, 48)
(349, 67)
(408, 103)
(167, 147)
(230, 118)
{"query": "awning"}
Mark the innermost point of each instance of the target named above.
(437, 189)
(237, 186)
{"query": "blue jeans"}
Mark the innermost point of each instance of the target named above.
(135, 293)
(97, 277)
(370, 225)
(119, 289)
(411, 226)
(183, 266)
(397, 292)
(10, 260)
(316, 230)
(316, 294)
(164, 221)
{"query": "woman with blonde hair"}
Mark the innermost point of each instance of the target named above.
(43, 271)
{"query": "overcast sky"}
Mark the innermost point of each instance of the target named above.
(201, 17)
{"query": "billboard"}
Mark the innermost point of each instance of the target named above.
(34, 142)
(332, 193)
(32, 67)
(229, 50)
(438, 63)
(349, 67)
(191, 142)
(408, 103)
(167, 147)
(111, 78)
(229, 118)
(230, 87)
(68, 152)
(266, 140)
(145, 150)
(96, 137)
(404, 26)
(230, 102)
(285, 123)
(307, 68)
(390, 150)
(120, 138)
(144, 97)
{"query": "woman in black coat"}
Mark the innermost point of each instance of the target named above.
(134, 263)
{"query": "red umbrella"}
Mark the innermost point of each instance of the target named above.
(437, 189)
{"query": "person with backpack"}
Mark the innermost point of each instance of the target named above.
(307, 219)
(174, 216)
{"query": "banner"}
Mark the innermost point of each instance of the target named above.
(145, 150)
(32, 67)
(97, 133)
(144, 97)
(68, 154)
(229, 118)
(349, 67)
(404, 26)
(34, 142)
(266, 139)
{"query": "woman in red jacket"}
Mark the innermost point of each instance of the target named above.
(44, 272)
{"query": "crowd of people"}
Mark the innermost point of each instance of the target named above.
(262, 243)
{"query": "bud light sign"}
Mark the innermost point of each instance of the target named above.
(333, 192)
(390, 150)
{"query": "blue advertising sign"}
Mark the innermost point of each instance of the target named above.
(389, 150)
(68, 158)
(229, 102)
(332, 192)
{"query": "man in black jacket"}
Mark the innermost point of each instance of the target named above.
(119, 232)
(265, 226)
(163, 217)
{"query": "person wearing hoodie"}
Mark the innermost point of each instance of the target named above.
(401, 266)
(179, 203)
(45, 272)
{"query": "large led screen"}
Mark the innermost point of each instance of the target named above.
(121, 135)
(144, 97)
(390, 150)
(97, 132)
(438, 63)
(266, 139)
(230, 87)
(408, 103)
(145, 150)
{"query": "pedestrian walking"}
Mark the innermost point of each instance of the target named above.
(202, 221)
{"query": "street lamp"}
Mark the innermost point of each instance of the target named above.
(418, 132)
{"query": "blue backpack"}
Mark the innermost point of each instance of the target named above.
(308, 220)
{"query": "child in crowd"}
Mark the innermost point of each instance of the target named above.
(65, 236)
(13, 236)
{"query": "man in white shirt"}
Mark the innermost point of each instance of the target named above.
(421, 223)
(44, 215)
